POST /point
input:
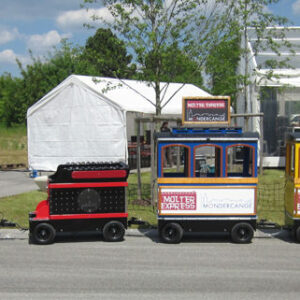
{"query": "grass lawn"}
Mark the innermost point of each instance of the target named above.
(13, 145)
(16, 208)
(272, 176)
(13, 150)
(270, 201)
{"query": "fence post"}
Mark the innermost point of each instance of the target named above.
(138, 160)
(153, 165)
(261, 143)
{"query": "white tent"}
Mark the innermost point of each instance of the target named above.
(84, 118)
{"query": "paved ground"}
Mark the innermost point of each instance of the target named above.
(15, 234)
(143, 268)
(15, 182)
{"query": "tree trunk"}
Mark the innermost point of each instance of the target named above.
(157, 98)
(246, 120)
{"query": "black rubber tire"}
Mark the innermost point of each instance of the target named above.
(44, 234)
(171, 233)
(242, 233)
(297, 234)
(292, 233)
(113, 231)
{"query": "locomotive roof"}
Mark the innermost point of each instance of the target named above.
(205, 134)
(293, 136)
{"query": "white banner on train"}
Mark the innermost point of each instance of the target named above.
(195, 201)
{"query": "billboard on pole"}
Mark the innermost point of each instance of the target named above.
(206, 110)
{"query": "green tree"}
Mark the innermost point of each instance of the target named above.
(150, 28)
(107, 55)
(10, 104)
(221, 66)
(176, 66)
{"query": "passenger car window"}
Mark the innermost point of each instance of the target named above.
(207, 160)
(175, 161)
(240, 161)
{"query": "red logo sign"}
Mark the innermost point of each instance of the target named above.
(206, 104)
(178, 201)
(298, 203)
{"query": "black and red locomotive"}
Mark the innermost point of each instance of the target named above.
(83, 197)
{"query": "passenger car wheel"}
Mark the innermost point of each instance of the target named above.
(171, 233)
(242, 233)
(297, 234)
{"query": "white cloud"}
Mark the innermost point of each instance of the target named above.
(7, 35)
(8, 56)
(74, 19)
(43, 42)
(296, 7)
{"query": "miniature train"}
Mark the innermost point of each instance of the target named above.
(83, 197)
(206, 178)
(292, 187)
(214, 187)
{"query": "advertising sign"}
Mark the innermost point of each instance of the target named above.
(297, 203)
(206, 201)
(206, 110)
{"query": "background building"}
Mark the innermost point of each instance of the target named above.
(275, 92)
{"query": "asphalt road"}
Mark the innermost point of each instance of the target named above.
(142, 268)
(15, 182)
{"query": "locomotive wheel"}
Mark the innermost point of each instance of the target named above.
(171, 233)
(113, 231)
(297, 234)
(44, 233)
(242, 233)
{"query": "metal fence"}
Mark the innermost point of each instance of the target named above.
(270, 202)
(133, 195)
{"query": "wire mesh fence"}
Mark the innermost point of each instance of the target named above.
(133, 195)
(270, 200)
(271, 196)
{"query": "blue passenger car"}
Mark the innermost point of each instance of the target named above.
(207, 182)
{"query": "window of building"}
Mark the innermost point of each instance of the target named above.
(175, 161)
(287, 159)
(207, 161)
(240, 161)
(292, 159)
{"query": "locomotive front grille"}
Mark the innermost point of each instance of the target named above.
(87, 200)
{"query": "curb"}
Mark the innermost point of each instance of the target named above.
(15, 234)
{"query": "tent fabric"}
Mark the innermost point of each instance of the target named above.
(139, 96)
(279, 78)
(84, 119)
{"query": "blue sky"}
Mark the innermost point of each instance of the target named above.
(39, 25)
